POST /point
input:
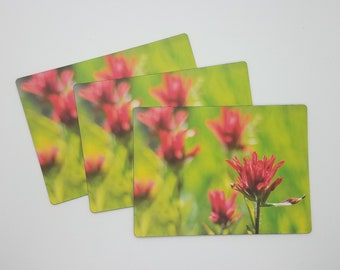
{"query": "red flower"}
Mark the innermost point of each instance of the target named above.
(64, 108)
(48, 83)
(93, 165)
(174, 93)
(255, 177)
(223, 211)
(117, 67)
(47, 157)
(229, 128)
(57, 90)
(162, 118)
(118, 120)
(172, 147)
(105, 92)
(143, 189)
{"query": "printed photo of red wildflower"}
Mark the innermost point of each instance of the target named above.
(210, 183)
(53, 118)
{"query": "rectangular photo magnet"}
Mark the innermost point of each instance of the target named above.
(50, 108)
(221, 170)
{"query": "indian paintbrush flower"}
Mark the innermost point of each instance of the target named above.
(162, 118)
(118, 119)
(172, 147)
(105, 92)
(47, 157)
(229, 128)
(57, 90)
(117, 67)
(113, 99)
(142, 189)
(169, 126)
(93, 165)
(49, 83)
(223, 211)
(255, 177)
(255, 182)
(64, 108)
(175, 91)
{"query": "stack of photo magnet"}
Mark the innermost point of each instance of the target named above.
(183, 145)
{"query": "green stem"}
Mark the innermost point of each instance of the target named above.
(127, 144)
(179, 187)
(223, 226)
(257, 217)
(177, 198)
(251, 209)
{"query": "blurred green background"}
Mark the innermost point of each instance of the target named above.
(272, 130)
(169, 54)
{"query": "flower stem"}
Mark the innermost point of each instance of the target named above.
(223, 226)
(257, 217)
(177, 197)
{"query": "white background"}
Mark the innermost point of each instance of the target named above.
(292, 49)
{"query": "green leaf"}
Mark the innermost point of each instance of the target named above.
(287, 202)
(208, 229)
(251, 210)
(250, 230)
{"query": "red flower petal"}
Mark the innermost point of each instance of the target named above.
(255, 176)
